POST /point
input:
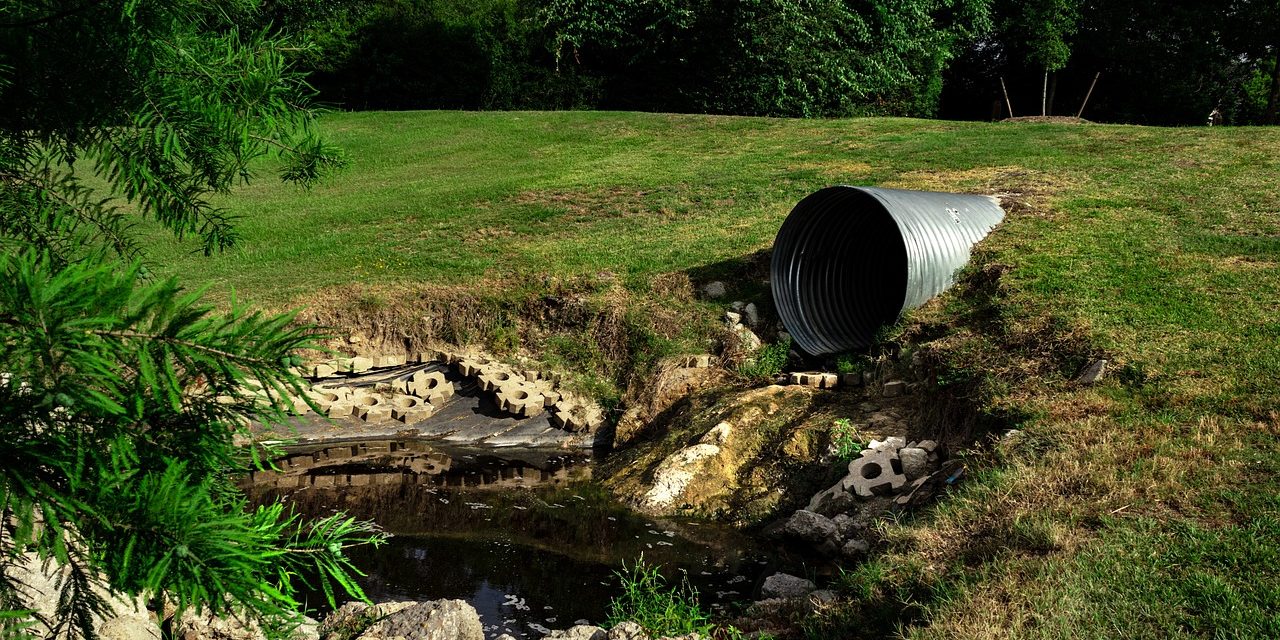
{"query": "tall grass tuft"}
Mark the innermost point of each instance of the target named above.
(662, 609)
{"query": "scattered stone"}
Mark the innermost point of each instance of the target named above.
(809, 527)
(714, 290)
(1092, 372)
(783, 585)
(915, 462)
(822, 597)
(579, 632)
(873, 474)
(855, 548)
(732, 318)
(324, 369)
(738, 305)
(929, 446)
(894, 388)
(752, 315)
(627, 631)
(750, 341)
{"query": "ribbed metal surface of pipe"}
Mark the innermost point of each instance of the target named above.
(850, 259)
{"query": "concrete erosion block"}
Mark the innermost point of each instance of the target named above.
(520, 400)
(375, 413)
(493, 378)
(324, 369)
(339, 409)
(872, 475)
(851, 379)
(389, 360)
(470, 366)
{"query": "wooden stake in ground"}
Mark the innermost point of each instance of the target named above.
(1006, 97)
(1086, 96)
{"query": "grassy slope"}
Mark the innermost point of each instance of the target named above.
(1147, 507)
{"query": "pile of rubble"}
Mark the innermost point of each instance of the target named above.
(893, 474)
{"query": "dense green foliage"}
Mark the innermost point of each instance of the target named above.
(122, 400)
(1163, 63)
(119, 412)
(764, 57)
(1160, 63)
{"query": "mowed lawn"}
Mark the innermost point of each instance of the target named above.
(1150, 506)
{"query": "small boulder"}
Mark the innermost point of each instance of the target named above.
(749, 340)
(752, 315)
(915, 462)
(732, 318)
(855, 548)
(809, 527)
(784, 585)
(714, 290)
(627, 631)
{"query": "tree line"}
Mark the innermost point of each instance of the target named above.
(1168, 62)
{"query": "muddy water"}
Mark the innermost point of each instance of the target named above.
(524, 536)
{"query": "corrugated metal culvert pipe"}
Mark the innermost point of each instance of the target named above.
(851, 259)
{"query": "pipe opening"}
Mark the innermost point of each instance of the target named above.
(849, 260)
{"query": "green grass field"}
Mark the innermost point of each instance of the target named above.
(1148, 506)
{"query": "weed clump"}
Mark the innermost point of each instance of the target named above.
(662, 610)
(767, 363)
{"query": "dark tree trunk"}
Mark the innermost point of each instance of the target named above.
(1273, 99)
(1053, 91)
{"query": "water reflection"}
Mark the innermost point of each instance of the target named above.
(525, 537)
(394, 462)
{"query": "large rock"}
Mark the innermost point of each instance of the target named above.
(675, 473)
(431, 620)
(809, 527)
(627, 631)
(785, 585)
(579, 632)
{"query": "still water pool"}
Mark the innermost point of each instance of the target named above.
(524, 536)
